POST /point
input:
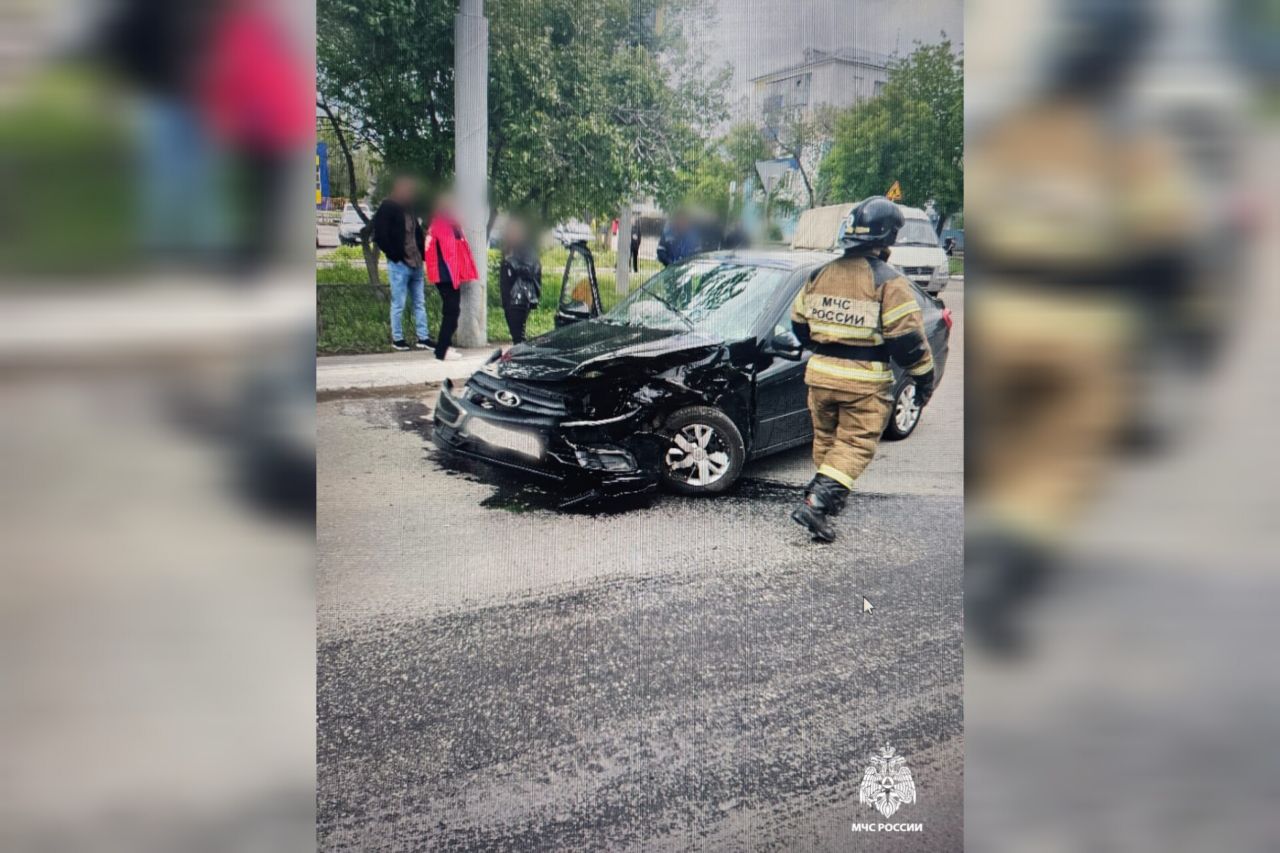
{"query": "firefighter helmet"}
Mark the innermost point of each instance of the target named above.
(873, 224)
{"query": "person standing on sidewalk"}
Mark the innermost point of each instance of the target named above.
(399, 234)
(520, 278)
(635, 247)
(450, 264)
(254, 93)
(150, 44)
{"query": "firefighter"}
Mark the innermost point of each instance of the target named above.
(1077, 227)
(856, 314)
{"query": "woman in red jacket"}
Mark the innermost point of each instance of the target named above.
(255, 93)
(449, 264)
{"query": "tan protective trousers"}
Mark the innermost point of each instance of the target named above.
(1050, 399)
(846, 430)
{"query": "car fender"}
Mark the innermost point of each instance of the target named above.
(711, 381)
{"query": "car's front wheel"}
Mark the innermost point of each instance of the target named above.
(905, 414)
(706, 452)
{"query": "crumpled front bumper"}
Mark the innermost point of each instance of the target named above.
(543, 447)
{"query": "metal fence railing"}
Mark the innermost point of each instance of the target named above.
(354, 318)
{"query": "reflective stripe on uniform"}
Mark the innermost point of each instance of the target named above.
(922, 368)
(835, 330)
(876, 372)
(901, 311)
(837, 475)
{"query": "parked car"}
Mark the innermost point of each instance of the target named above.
(681, 384)
(350, 225)
(919, 254)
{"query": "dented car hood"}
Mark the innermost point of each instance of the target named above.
(582, 348)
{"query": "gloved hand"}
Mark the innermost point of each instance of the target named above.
(924, 390)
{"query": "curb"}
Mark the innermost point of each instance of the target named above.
(350, 373)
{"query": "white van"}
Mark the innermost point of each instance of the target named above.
(917, 253)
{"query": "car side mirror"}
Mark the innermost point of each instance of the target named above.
(785, 345)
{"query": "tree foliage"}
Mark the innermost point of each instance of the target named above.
(913, 132)
(706, 174)
(366, 163)
(588, 104)
(803, 136)
(385, 67)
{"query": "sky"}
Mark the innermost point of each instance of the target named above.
(759, 36)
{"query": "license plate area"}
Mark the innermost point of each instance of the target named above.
(516, 440)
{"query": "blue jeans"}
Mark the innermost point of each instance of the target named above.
(180, 202)
(407, 281)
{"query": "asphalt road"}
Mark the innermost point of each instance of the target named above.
(689, 674)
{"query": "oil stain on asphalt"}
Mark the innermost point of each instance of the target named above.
(514, 492)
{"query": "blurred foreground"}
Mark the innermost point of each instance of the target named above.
(1121, 194)
(156, 346)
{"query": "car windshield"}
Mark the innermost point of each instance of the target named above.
(720, 298)
(917, 232)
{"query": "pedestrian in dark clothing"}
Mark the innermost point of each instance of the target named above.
(399, 235)
(450, 264)
(519, 278)
(680, 240)
(635, 247)
(152, 45)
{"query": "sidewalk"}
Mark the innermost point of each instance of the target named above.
(152, 318)
(388, 370)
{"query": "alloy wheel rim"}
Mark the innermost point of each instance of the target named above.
(905, 410)
(698, 455)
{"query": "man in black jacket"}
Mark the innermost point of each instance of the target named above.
(398, 233)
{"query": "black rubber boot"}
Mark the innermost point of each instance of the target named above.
(815, 520)
(1003, 574)
(823, 499)
(837, 495)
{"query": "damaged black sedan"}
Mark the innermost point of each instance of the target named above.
(682, 383)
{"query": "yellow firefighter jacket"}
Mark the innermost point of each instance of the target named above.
(857, 313)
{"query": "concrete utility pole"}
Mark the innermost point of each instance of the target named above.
(623, 281)
(471, 159)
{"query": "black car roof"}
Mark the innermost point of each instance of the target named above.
(776, 258)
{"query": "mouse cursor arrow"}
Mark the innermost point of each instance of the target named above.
(866, 605)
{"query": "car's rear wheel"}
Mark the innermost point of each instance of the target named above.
(905, 415)
(706, 452)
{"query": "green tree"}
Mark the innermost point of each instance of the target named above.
(385, 68)
(913, 132)
(588, 103)
(706, 174)
(367, 167)
(744, 145)
(367, 246)
(802, 137)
